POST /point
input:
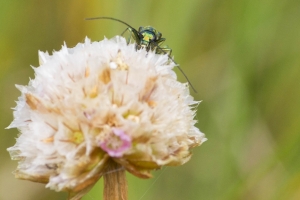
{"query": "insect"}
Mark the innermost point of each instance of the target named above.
(147, 38)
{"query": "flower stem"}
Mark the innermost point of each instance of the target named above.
(115, 183)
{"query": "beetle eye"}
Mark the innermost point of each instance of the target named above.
(158, 35)
(154, 38)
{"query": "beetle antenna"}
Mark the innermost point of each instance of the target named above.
(177, 65)
(114, 19)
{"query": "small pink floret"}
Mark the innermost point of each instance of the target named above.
(123, 137)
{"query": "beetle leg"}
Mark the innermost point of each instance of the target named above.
(163, 50)
(160, 41)
(128, 39)
(124, 31)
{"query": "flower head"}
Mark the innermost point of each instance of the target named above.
(99, 101)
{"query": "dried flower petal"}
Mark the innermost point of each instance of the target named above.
(96, 101)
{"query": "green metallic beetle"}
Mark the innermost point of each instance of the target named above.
(150, 39)
(147, 38)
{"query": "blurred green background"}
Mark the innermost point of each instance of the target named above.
(243, 58)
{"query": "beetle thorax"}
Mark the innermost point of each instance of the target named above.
(148, 37)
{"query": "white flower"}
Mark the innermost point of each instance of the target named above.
(96, 101)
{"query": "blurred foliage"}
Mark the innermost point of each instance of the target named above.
(243, 58)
